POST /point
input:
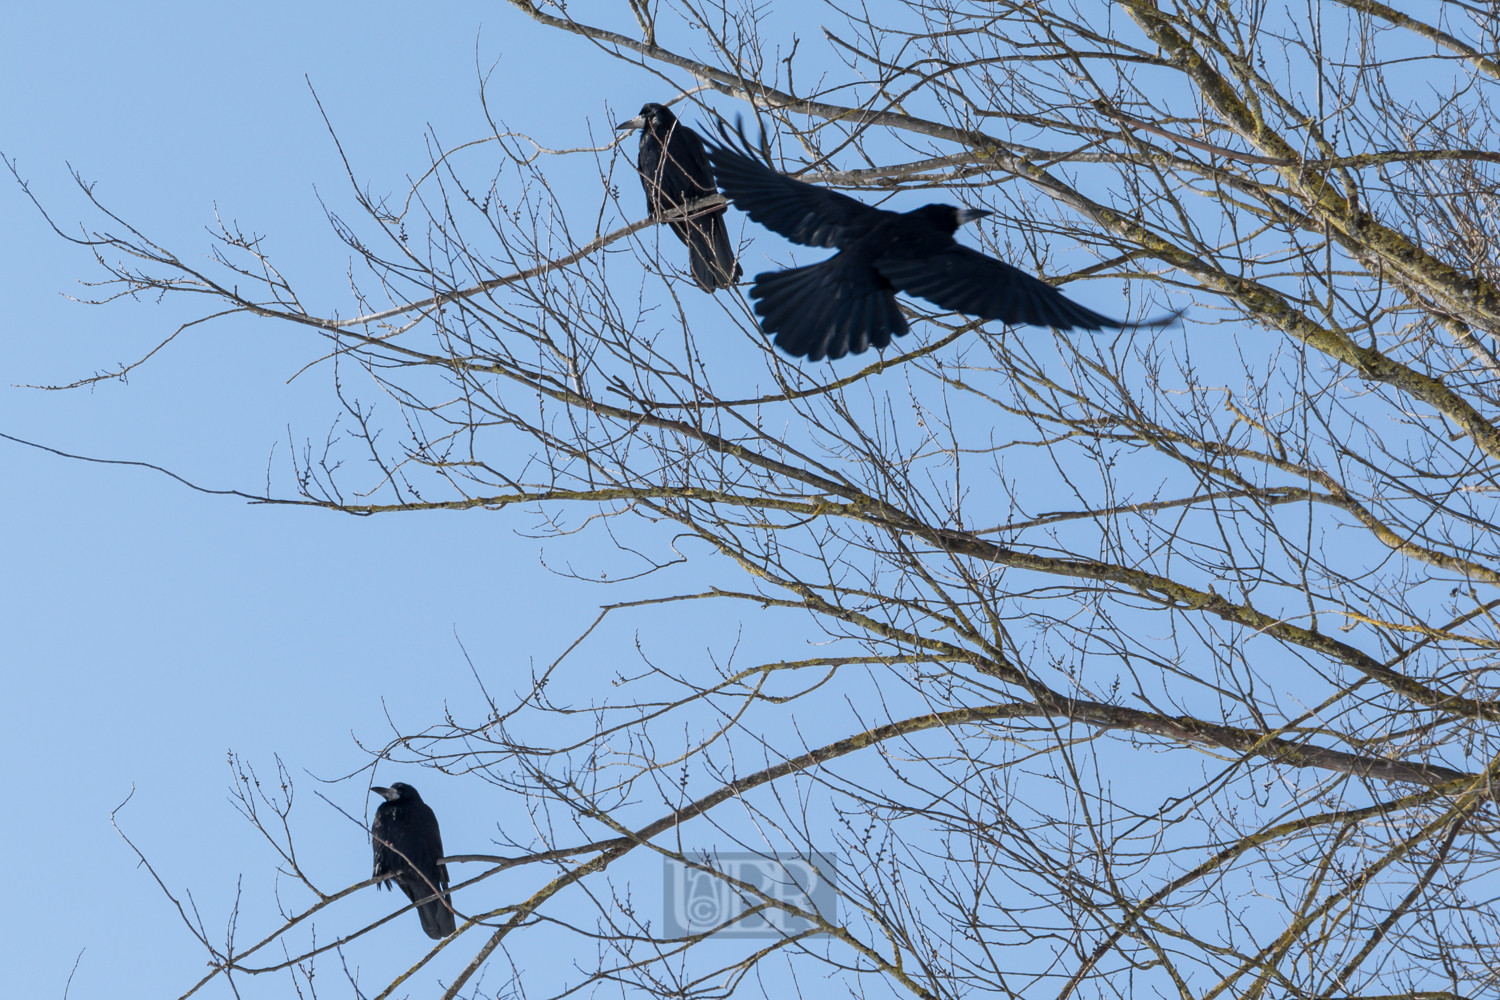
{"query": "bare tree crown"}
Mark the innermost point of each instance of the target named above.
(1149, 663)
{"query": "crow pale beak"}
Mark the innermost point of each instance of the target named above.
(967, 215)
(639, 121)
(389, 794)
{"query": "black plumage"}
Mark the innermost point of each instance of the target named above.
(408, 845)
(847, 303)
(674, 171)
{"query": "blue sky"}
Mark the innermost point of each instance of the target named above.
(149, 629)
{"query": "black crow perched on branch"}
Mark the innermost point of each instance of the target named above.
(674, 171)
(847, 303)
(408, 845)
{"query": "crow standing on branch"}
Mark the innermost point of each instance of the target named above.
(847, 303)
(674, 171)
(408, 846)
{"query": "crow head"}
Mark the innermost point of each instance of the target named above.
(949, 217)
(399, 791)
(654, 118)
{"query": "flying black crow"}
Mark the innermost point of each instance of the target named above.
(674, 171)
(407, 843)
(847, 303)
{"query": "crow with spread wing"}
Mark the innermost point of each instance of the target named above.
(847, 303)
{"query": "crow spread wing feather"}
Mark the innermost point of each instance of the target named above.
(803, 213)
(969, 282)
